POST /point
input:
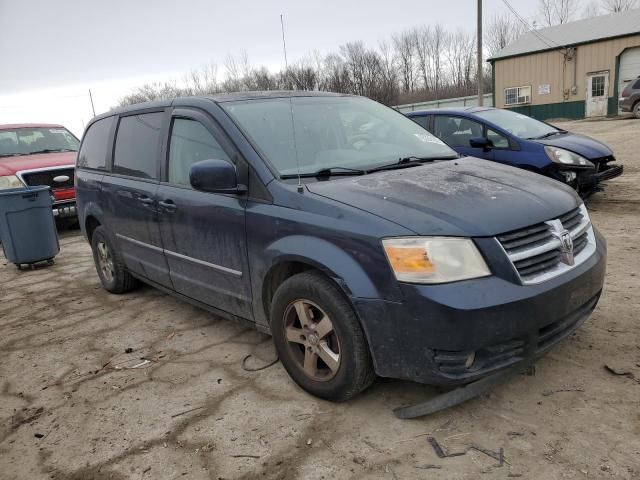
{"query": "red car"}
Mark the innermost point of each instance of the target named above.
(40, 154)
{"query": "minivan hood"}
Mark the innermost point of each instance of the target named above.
(580, 144)
(465, 197)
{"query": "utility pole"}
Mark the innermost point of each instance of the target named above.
(480, 76)
(92, 107)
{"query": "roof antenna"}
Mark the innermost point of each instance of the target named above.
(295, 145)
(293, 125)
(284, 46)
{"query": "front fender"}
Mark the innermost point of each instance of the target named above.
(327, 257)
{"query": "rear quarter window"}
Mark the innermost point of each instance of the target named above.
(93, 152)
(137, 143)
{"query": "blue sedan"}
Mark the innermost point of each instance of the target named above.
(514, 139)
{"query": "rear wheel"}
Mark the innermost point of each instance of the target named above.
(319, 339)
(636, 109)
(111, 270)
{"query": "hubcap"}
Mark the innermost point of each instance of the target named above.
(105, 261)
(312, 340)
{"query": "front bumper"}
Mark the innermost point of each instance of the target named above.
(432, 335)
(591, 182)
(65, 210)
(588, 181)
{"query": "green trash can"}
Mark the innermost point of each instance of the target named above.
(27, 227)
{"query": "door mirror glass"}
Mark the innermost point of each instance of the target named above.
(215, 176)
(481, 142)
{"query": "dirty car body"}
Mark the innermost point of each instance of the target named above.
(514, 139)
(40, 154)
(454, 268)
(629, 100)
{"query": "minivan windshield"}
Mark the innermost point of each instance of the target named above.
(32, 140)
(517, 124)
(308, 134)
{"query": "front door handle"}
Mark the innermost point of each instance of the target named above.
(168, 205)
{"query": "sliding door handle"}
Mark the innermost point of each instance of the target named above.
(167, 205)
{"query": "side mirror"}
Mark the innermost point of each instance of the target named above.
(481, 142)
(215, 176)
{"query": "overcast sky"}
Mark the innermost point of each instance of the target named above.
(52, 52)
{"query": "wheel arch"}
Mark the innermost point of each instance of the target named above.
(296, 254)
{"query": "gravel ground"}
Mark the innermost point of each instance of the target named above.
(98, 386)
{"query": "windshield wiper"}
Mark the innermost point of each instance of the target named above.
(326, 172)
(411, 161)
(547, 135)
(52, 150)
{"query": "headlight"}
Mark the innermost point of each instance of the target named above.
(434, 259)
(565, 157)
(10, 181)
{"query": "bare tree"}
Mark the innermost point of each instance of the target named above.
(557, 12)
(501, 31)
(414, 65)
(404, 47)
(614, 6)
(389, 76)
(460, 55)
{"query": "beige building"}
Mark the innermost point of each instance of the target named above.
(574, 70)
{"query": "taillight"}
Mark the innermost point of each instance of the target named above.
(626, 92)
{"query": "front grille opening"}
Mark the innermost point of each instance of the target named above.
(45, 177)
(455, 364)
(525, 238)
(535, 251)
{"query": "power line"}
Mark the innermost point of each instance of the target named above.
(537, 34)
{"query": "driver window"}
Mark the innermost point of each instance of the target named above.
(499, 141)
(456, 131)
(190, 142)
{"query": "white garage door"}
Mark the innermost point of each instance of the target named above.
(629, 67)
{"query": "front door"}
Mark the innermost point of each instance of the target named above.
(597, 94)
(203, 233)
(457, 132)
(131, 192)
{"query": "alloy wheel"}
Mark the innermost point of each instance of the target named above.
(312, 340)
(105, 261)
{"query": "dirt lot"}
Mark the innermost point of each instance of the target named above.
(72, 405)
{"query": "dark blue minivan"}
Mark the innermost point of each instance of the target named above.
(361, 242)
(508, 137)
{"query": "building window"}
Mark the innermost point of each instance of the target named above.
(517, 95)
(597, 86)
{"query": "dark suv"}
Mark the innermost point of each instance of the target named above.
(360, 241)
(629, 100)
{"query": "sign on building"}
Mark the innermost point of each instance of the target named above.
(544, 89)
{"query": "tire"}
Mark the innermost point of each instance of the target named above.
(636, 109)
(107, 258)
(316, 298)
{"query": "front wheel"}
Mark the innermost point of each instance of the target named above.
(319, 339)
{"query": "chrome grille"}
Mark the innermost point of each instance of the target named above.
(536, 253)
